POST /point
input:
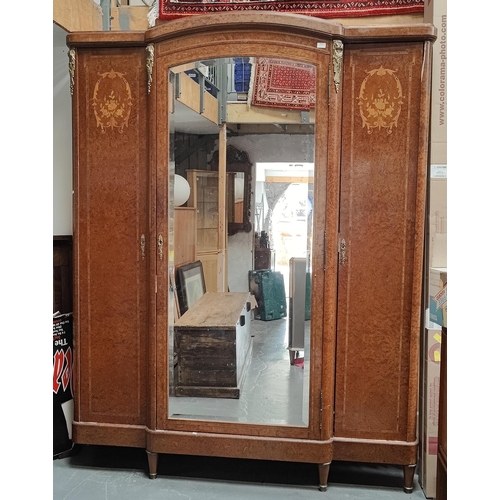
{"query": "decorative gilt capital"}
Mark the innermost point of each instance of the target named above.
(337, 58)
(150, 49)
(72, 66)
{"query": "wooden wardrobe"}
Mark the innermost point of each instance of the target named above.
(370, 171)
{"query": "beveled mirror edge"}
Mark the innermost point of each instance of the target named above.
(319, 57)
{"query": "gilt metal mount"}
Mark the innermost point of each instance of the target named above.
(72, 66)
(150, 49)
(337, 58)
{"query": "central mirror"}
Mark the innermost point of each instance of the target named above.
(242, 137)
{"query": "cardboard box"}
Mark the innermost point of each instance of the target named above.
(438, 217)
(438, 307)
(429, 409)
(435, 13)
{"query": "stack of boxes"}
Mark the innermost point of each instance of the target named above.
(242, 72)
(436, 318)
(436, 261)
(438, 307)
(429, 407)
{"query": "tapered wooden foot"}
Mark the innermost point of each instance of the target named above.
(323, 469)
(153, 464)
(409, 474)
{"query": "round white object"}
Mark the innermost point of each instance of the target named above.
(181, 190)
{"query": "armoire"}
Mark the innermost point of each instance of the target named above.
(370, 153)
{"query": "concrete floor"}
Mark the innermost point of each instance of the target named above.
(273, 392)
(106, 473)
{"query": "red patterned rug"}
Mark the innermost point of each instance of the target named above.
(172, 9)
(278, 83)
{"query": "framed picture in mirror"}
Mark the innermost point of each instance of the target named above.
(190, 284)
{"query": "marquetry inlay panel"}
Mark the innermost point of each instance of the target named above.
(112, 101)
(380, 99)
(377, 223)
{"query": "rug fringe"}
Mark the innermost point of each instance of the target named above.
(326, 9)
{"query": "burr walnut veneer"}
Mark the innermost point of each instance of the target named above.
(371, 140)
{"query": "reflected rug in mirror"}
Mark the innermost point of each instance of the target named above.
(277, 83)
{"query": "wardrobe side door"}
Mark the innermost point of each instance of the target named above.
(377, 344)
(111, 232)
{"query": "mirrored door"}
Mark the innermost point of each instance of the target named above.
(242, 153)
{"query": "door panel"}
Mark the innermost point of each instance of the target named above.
(111, 187)
(304, 140)
(377, 223)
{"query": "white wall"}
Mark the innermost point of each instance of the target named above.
(62, 219)
(261, 149)
(276, 148)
